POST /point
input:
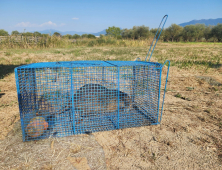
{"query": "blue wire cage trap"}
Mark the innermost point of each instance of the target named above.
(66, 98)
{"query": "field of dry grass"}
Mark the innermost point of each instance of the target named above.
(189, 137)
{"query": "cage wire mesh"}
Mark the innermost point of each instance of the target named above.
(66, 98)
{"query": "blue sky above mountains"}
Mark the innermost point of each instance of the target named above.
(96, 15)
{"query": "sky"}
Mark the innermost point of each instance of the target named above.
(96, 15)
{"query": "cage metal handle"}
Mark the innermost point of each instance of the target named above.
(159, 29)
(165, 86)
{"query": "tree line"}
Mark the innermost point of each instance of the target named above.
(174, 33)
(38, 34)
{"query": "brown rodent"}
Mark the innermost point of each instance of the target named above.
(95, 99)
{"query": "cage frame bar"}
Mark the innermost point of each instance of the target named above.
(168, 69)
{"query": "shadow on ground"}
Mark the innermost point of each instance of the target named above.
(209, 80)
(201, 63)
(7, 69)
(1, 94)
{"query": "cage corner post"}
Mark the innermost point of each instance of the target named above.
(19, 102)
(165, 86)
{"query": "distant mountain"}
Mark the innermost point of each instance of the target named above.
(98, 33)
(51, 31)
(73, 32)
(203, 21)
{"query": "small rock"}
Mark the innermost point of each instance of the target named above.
(154, 138)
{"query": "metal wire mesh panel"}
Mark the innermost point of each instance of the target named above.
(65, 98)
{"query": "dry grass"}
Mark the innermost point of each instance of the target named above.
(58, 42)
(189, 136)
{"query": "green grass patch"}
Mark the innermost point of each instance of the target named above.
(8, 53)
(76, 52)
(178, 95)
(57, 52)
(28, 60)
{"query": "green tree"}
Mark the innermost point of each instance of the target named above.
(45, 35)
(131, 34)
(113, 31)
(57, 34)
(91, 36)
(128, 33)
(162, 36)
(217, 32)
(189, 33)
(141, 32)
(27, 34)
(173, 32)
(125, 33)
(84, 35)
(76, 36)
(37, 34)
(137, 32)
(153, 31)
(68, 36)
(101, 36)
(207, 32)
(199, 31)
(15, 32)
(193, 32)
(3, 33)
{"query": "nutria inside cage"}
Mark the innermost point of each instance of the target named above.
(65, 98)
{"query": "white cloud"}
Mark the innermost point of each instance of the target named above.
(50, 23)
(25, 24)
(75, 18)
(45, 24)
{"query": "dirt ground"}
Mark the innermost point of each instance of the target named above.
(189, 137)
